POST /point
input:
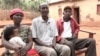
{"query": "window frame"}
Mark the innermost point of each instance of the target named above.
(98, 9)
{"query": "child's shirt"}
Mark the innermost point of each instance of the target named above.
(17, 41)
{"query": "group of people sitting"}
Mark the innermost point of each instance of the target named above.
(50, 37)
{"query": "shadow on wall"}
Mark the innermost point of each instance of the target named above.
(89, 18)
(90, 21)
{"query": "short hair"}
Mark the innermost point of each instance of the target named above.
(43, 4)
(67, 7)
(8, 32)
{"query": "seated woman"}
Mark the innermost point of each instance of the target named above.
(11, 35)
(24, 31)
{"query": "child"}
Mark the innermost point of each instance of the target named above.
(11, 35)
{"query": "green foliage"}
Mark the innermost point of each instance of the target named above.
(8, 4)
(34, 4)
(23, 4)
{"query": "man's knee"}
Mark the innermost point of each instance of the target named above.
(46, 51)
(91, 40)
(51, 51)
(66, 48)
(69, 43)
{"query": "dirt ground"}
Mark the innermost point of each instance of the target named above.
(81, 34)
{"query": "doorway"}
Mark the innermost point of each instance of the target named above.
(77, 14)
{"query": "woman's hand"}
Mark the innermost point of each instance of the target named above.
(22, 51)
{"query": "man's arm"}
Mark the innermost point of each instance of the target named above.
(76, 28)
(58, 38)
(55, 31)
(40, 42)
(54, 42)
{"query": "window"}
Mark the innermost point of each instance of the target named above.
(98, 9)
(60, 11)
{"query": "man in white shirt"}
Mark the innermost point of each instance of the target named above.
(44, 33)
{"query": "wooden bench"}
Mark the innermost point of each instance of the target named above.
(78, 52)
(91, 34)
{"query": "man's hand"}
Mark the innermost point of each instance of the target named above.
(53, 45)
(62, 41)
(49, 46)
(74, 35)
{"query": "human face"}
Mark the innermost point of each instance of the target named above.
(17, 18)
(67, 13)
(44, 10)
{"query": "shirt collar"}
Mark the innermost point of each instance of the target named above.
(42, 21)
(62, 20)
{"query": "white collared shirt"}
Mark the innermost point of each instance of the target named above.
(44, 31)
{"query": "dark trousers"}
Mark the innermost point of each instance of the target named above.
(76, 44)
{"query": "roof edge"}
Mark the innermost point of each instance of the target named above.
(57, 2)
